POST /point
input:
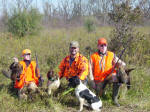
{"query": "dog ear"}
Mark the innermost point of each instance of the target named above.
(12, 66)
(129, 70)
(77, 81)
(70, 80)
(50, 74)
(129, 80)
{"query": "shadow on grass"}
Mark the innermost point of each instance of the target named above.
(11, 90)
(2, 86)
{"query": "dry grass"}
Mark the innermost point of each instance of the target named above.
(51, 46)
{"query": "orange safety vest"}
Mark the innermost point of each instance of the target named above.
(28, 75)
(79, 67)
(102, 66)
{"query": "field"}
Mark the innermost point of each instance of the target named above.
(52, 46)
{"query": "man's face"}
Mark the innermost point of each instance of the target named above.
(74, 50)
(102, 48)
(27, 56)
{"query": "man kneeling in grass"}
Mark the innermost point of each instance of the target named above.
(75, 64)
(30, 78)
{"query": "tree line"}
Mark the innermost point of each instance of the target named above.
(72, 12)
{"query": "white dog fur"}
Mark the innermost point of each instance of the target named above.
(53, 82)
(85, 96)
(52, 86)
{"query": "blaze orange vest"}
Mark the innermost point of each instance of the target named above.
(28, 75)
(102, 66)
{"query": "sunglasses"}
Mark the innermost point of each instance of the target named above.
(103, 45)
(27, 54)
(73, 47)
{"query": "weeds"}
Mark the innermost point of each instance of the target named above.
(51, 47)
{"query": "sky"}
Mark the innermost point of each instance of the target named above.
(36, 3)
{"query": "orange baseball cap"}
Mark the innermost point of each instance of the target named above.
(102, 41)
(26, 51)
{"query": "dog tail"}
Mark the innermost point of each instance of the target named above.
(6, 73)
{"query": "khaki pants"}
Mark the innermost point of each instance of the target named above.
(31, 87)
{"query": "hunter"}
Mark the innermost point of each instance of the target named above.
(75, 64)
(102, 65)
(30, 77)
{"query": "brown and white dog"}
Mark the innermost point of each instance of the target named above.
(53, 82)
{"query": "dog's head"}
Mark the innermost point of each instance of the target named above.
(124, 76)
(51, 76)
(16, 69)
(129, 79)
(74, 81)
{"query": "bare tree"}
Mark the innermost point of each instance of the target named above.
(23, 4)
(47, 9)
(65, 9)
(145, 7)
(4, 16)
(77, 10)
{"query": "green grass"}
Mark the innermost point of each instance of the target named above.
(52, 46)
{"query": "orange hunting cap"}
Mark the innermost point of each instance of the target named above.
(102, 41)
(26, 51)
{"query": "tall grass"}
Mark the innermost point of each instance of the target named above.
(51, 47)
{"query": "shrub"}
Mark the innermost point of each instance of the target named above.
(24, 22)
(124, 19)
(89, 24)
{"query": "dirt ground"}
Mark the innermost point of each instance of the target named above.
(126, 108)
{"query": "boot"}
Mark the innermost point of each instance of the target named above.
(115, 93)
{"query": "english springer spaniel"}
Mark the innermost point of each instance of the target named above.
(84, 95)
(53, 82)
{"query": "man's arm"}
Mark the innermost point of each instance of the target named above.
(119, 62)
(84, 69)
(61, 68)
(91, 70)
(92, 83)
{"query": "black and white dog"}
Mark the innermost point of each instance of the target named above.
(84, 95)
